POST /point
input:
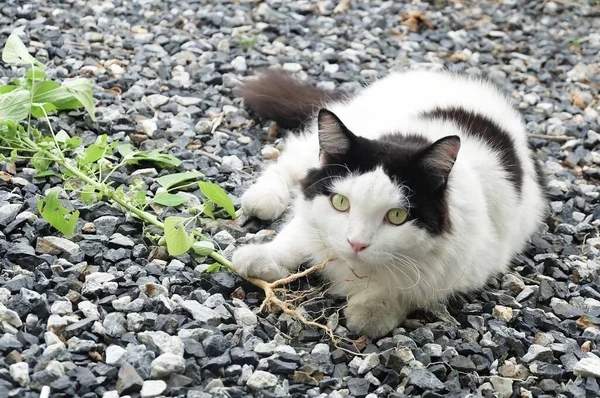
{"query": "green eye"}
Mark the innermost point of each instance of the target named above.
(396, 216)
(339, 202)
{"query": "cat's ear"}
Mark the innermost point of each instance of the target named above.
(438, 159)
(334, 137)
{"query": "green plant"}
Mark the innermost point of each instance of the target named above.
(86, 170)
(247, 41)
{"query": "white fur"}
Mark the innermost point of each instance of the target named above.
(404, 267)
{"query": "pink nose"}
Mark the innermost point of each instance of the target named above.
(358, 247)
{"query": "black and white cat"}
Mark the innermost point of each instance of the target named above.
(418, 187)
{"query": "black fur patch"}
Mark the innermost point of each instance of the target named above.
(399, 157)
(479, 126)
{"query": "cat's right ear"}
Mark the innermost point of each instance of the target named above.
(334, 138)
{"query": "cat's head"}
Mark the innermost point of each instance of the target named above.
(372, 199)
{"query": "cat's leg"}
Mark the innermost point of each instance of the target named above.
(374, 312)
(273, 260)
(270, 195)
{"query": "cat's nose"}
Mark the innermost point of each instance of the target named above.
(357, 246)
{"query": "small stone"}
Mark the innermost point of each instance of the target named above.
(215, 345)
(538, 353)
(154, 289)
(233, 161)
(292, 67)
(20, 373)
(424, 380)
(166, 364)
(106, 225)
(512, 283)
(99, 277)
(201, 313)
(8, 213)
(462, 364)
(358, 387)
(543, 339)
(186, 101)
(147, 126)
(128, 379)
(245, 317)
(114, 324)
(503, 386)
(502, 313)
(62, 307)
(270, 152)
(239, 64)
(224, 239)
(55, 245)
(10, 316)
(153, 388)
(88, 228)
(587, 367)
(369, 363)
(261, 379)
(114, 355)
(155, 101)
(165, 342)
(204, 126)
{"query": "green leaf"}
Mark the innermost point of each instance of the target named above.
(215, 267)
(168, 199)
(35, 74)
(49, 91)
(88, 194)
(155, 156)
(44, 174)
(8, 130)
(93, 153)
(125, 149)
(171, 180)
(15, 53)
(203, 248)
(178, 240)
(40, 162)
(140, 198)
(55, 213)
(82, 90)
(207, 209)
(15, 105)
(7, 88)
(39, 113)
(73, 142)
(217, 195)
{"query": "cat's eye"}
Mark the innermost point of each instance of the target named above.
(339, 202)
(396, 216)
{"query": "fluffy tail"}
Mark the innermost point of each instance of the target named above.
(277, 96)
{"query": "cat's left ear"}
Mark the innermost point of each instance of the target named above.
(438, 159)
(334, 136)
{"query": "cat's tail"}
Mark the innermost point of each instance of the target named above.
(278, 96)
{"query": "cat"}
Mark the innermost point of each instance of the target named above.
(418, 187)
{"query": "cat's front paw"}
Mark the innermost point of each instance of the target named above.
(266, 200)
(256, 262)
(371, 319)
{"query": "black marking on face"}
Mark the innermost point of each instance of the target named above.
(410, 160)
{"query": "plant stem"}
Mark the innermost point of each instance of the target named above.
(112, 195)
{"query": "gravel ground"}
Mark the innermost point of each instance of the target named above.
(108, 315)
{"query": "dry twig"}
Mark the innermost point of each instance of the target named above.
(272, 302)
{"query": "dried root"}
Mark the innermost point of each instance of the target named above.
(273, 303)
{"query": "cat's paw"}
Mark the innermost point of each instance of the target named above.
(371, 319)
(266, 200)
(256, 262)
